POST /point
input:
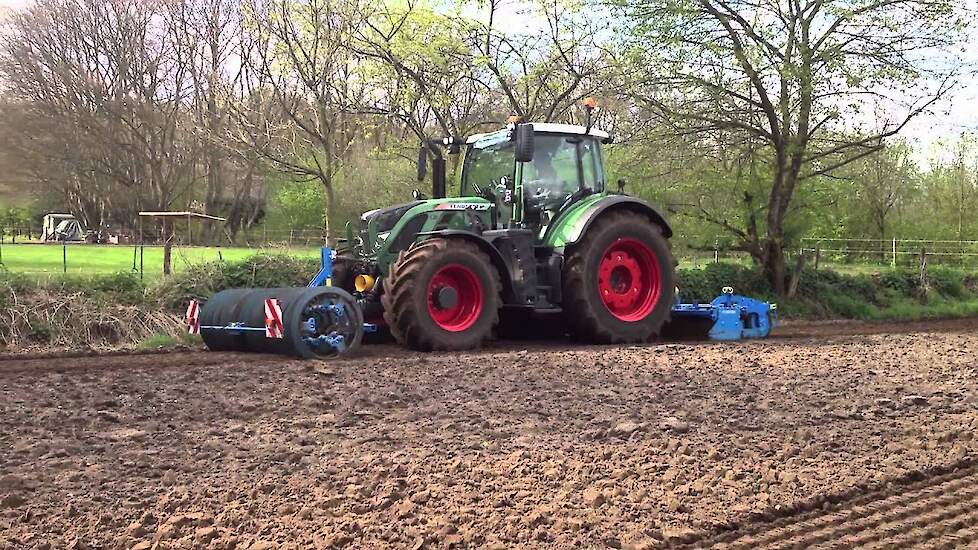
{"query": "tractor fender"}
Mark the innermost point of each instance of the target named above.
(573, 224)
(494, 256)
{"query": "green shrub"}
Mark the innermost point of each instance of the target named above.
(885, 294)
(118, 288)
(202, 281)
(946, 282)
(902, 281)
(705, 284)
(39, 332)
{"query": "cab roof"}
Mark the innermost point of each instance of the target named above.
(548, 128)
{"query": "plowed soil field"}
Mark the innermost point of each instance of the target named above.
(829, 435)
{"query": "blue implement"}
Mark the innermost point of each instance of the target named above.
(323, 278)
(734, 317)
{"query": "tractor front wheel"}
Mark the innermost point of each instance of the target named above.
(619, 280)
(442, 294)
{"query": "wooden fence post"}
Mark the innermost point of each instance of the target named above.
(924, 282)
(818, 256)
(168, 236)
(796, 275)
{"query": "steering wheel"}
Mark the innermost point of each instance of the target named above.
(484, 192)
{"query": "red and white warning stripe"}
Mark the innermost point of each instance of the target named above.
(273, 319)
(193, 317)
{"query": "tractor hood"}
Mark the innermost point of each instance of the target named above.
(384, 219)
(382, 233)
(375, 226)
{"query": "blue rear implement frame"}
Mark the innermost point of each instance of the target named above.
(734, 317)
(325, 325)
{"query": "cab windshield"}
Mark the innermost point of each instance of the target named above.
(486, 162)
(561, 165)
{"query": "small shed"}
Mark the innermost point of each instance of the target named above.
(168, 219)
(50, 225)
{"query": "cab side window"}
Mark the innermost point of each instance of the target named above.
(591, 162)
(552, 176)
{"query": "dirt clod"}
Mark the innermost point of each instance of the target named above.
(594, 497)
(675, 425)
(914, 399)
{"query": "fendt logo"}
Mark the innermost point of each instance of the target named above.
(463, 206)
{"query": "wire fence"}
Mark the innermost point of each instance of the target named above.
(258, 236)
(52, 259)
(23, 252)
(892, 252)
(848, 254)
(27, 250)
(22, 234)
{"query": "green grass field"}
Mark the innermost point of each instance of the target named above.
(85, 259)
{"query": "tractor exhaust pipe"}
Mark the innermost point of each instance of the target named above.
(438, 164)
(438, 178)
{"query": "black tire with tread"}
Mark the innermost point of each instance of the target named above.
(405, 300)
(586, 315)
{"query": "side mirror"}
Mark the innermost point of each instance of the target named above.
(524, 142)
(417, 195)
(422, 162)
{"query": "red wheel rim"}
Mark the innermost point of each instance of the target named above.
(465, 311)
(629, 280)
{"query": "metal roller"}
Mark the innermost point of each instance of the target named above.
(315, 322)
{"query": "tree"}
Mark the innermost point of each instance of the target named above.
(304, 70)
(209, 34)
(101, 87)
(786, 82)
(882, 180)
(950, 190)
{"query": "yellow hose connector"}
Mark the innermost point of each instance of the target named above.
(363, 283)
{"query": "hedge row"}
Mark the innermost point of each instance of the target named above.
(81, 303)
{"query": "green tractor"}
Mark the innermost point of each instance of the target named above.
(535, 235)
(535, 231)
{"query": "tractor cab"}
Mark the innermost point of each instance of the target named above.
(533, 230)
(560, 164)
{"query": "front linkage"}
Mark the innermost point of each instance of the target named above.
(315, 321)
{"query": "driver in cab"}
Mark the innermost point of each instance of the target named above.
(546, 184)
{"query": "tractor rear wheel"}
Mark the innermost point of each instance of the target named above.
(442, 294)
(619, 280)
